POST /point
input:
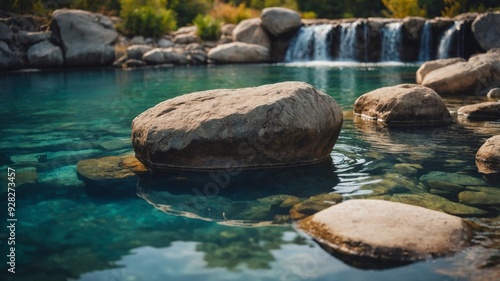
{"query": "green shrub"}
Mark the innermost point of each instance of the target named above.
(150, 19)
(208, 28)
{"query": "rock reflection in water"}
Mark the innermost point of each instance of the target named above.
(249, 197)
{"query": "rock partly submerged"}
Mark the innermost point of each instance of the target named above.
(289, 123)
(405, 104)
(488, 159)
(383, 234)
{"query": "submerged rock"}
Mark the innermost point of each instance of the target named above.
(386, 231)
(480, 195)
(289, 123)
(116, 173)
(314, 204)
(434, 202)
(405, 104)
(451, 178)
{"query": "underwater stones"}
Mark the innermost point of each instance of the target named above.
(239, 52)
(480, 195)
(451, 178)
(279, 21)
(403, 232)
(314, 204)
(405, 104)
(289, 123)
(433, 202)
(112, 172)
(482, 111)
(407, 168)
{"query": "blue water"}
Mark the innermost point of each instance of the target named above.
(51, 120)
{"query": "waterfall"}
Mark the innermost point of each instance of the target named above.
(310, 43)
(445, 43)
(347, 48)
(391, 41)
(425, 48)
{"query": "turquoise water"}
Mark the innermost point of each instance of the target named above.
(51, 120)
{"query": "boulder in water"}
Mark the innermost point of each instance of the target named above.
(380, 231)
(405, 104)
(289, 123)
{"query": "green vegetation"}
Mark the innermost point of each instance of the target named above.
(146, 17)
(208, 28)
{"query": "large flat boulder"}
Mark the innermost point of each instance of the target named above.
(486, 31)
(86, 37)
(239, 52)
(251, 31)
(289, 123)
(279, 21)
(405, 104)
(385, 230)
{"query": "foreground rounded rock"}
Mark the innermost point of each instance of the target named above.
(385, 230)
(288, 123)
(405, 104)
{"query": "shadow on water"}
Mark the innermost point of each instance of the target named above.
(235, 197)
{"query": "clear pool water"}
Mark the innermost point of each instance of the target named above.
(51, 120)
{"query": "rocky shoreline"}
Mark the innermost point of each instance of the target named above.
(76, 38)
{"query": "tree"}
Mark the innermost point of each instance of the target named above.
(403, 8)
(451, 8)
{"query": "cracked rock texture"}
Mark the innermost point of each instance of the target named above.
(289, 123)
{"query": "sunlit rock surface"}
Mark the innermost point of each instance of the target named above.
(289, 123)
(382, 230)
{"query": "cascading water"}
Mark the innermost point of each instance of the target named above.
(391, 41)
(347, 48)
(310, 43)
(445, 43)
(425, 48)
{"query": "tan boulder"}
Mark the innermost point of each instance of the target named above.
(279, 20)
(251, 31)
(239, 52)
(404, 104)
(458, 78)
(385, 230)
(289, 123)
(488, 158)
(486, 31)
(433, 65)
